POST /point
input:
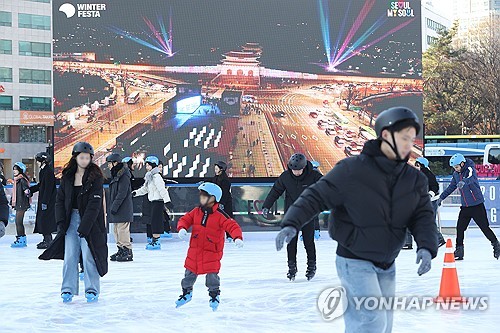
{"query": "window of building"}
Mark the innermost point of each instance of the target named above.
(5, 46)
(34, 49)
(32, 21)
(431, 40)
(5, 102)
(37, 76)
(35, 103)
(4, 133)
(32, 134)
(6, 19)
(5, 74)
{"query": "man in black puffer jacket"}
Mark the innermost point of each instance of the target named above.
(297, 178)
(374, 197)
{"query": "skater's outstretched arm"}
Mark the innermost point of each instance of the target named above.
(326, 194)
(186, 221)
(422, 225)
(449, 190)
(276, 191)
(143, 190)
(94, 206)
(231, 226)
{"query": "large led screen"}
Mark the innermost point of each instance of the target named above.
(248, 82)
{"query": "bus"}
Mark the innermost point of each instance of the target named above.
(133, 98)
(484, 150)
(338, 116)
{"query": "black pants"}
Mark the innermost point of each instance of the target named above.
(19, 223)
(308, 239)
(478, 213)
(157, 224)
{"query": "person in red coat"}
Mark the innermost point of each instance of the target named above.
(209, 223)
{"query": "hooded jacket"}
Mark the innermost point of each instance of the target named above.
(470, 194)
(373, 201)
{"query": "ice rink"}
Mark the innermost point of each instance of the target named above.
(139, 296)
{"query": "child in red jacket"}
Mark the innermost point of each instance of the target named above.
(210, 223)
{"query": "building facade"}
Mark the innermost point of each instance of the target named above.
(432, 23)
(476, 18)
(26, 111)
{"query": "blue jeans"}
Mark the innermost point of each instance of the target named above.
(361, 278)
(73, 247)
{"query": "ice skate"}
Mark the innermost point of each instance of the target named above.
(184, 298)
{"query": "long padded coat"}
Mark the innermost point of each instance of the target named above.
(207, 238)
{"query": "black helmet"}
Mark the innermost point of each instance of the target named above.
(297, 162)
(392, 116)
(83, 147)
(42, 157)
(114, 158)
(222, 165)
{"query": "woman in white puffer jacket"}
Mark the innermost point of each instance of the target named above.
(154, 187)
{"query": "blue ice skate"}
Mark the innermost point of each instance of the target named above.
(166, 235)
(19, 242)
(67, 297)
(184, 298)
(91, 297)
(214, 302)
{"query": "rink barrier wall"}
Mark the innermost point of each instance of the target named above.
(249, 197)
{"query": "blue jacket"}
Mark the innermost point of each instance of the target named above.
(470, 194)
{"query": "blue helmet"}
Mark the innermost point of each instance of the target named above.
(211, 189)
(153, 160)
(126, 159)
(423, 161)
(21, 166)
(456, 159)
(315, 164)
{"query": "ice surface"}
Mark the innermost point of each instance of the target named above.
(255, 296)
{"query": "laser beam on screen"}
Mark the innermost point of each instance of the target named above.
(349, 49)
(161, 40)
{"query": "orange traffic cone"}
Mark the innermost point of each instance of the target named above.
(450, 288)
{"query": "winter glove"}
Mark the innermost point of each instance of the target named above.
(182, 234)
(317, 234)
(439, 201)
(2, 229)
(285, 235)
(238, 243)
(424, 259)
(265, 213)
(44, 207)
(461, 184)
